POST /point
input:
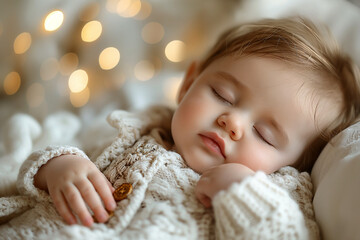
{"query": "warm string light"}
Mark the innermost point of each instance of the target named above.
(91, 31)
(145, 11)
(111, 5)
(136, 9)
(144, 70)
(128, 8)
(109, 58)
(79, 99)
(79, 90)
(152, 32)
(22, 43)
(53, 20)
(122, 6)
(175, 50)
(12, 83)
(78, 79)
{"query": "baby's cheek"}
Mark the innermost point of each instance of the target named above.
(258, 158)
(191, 117)
(193, 109)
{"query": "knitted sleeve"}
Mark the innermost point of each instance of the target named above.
(299, 186)
(25, 181)
(257, 208)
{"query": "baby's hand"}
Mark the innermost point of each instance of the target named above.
(219, 178)
(74, 183)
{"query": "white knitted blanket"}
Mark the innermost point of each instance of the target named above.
(23, 134)
(163, 204)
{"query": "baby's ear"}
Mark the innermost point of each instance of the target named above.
(188, 80)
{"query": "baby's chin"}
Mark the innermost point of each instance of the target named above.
(199, 167)
(193, 165)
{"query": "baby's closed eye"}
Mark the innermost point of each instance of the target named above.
(264, 134)
(222, 96)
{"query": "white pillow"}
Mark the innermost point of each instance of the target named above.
(336, 179)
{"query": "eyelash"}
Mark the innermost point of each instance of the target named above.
(221, 98)
(261, 137)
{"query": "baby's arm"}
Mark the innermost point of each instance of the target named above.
(251, 207)
(219, 178)
(74, 183)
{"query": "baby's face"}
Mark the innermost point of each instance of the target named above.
(254, 111)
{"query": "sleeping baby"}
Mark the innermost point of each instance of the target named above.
(230, 162)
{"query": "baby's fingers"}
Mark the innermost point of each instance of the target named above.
(93, 200)
(104, 189)
(77, 204)
(205, 200)
(62, 207)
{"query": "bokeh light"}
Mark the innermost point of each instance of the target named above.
(134, 9)
(78, 81)
(35, 95)
(128, 8)
(91, 31)
(68, 63)
(81, 98)
(145, 11)
(49, 69)
(22, 43)
(144, 70)
(109, 58)
(12, 83)
(122, 6)
(175, 51)
(111, 5)
(53, 20)
(152, 32)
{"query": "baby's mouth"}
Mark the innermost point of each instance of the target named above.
(214, 143)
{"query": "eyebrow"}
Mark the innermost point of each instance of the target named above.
(284, 139)
(232, 79)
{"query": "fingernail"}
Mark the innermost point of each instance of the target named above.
(103, 217)
(111, 205)
(71, 221)
(88, 222)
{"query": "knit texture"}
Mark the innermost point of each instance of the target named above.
(163, 204)
(23, 134)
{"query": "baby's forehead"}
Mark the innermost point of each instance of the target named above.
(320, 100)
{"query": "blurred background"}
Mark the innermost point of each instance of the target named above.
(91, 56)
(85, 55)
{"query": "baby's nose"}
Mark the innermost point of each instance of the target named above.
(233, 124)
